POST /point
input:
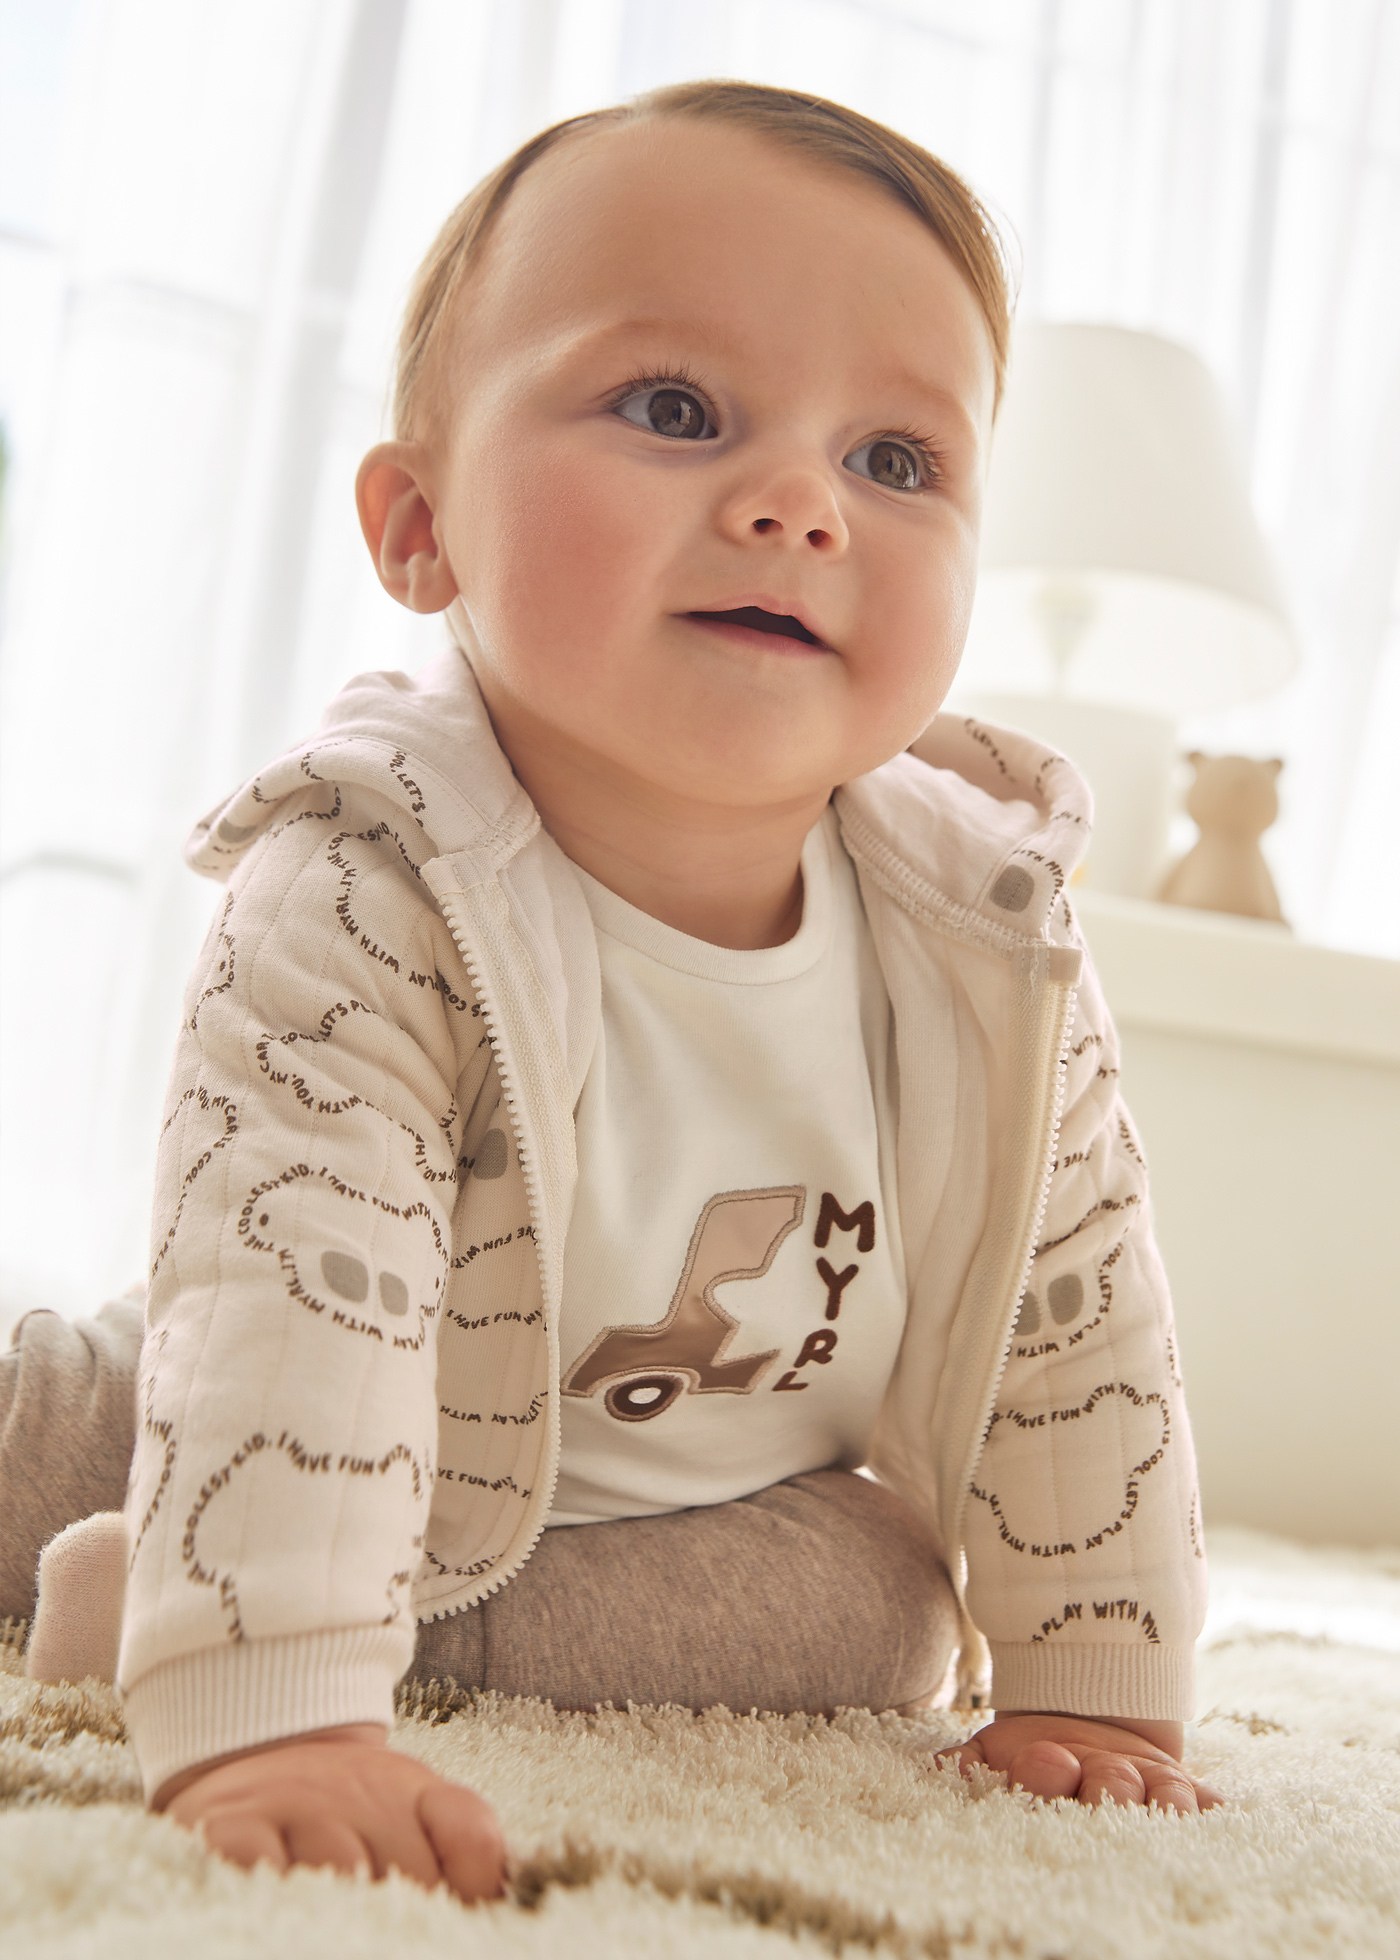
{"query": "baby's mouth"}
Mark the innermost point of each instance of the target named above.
(755, 619)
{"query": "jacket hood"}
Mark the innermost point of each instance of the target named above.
(1005, 817)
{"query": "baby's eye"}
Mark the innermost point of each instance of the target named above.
(672, 411)
(897, 456)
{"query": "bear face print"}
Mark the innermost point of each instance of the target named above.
(199, 1127)
(221, 966)
(292, 1063)
(1050, 1516)
(336, 1495)
(372, 1268)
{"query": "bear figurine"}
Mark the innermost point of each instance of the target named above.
(1234, 799)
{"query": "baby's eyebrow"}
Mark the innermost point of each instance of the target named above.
(711, 334)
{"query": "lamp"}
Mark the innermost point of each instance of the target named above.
(1124, 581)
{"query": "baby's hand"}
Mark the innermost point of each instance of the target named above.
(343, 1797)
(1074, 1756)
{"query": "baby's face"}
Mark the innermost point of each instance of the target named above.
(585, 514)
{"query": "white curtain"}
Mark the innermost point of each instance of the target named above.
(208, 219)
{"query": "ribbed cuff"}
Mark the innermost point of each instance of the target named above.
(1154, 1683)
(224, 1698)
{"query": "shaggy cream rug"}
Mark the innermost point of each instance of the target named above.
(656, 1831)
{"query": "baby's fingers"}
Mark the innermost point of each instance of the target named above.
(1046, 1769)
(466, 1838)
(1108, 1775)
(1172, 1789)
(324, 1841)
(243, 1839)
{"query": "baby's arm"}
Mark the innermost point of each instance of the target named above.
(342, 1797)
(1086, 1566)
(1089, 1758)
(305, 1186)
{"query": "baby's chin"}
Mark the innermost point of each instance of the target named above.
(723, 774)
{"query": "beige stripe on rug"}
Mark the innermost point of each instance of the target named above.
(659, 1832)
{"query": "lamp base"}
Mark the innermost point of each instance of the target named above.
(1128, 758)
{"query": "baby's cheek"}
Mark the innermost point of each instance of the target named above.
(577, 559)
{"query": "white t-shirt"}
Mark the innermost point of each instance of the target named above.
(734, 1286)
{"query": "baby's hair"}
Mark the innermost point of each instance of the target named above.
(809, 124)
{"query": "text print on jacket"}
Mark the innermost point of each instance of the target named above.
(348, 1410)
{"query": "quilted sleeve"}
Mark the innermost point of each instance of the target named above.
(1086, 1566)
(286, 1405)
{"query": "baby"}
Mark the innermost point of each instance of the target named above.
(652, 1009)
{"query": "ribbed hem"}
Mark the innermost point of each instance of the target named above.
(223, 1698)
(1156, 1684)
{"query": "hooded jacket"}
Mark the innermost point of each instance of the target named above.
(348, 1404)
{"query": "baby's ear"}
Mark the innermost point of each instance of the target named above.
(399, 528)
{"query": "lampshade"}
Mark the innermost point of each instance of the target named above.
(1117, 520)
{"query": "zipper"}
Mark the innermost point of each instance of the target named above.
(534, 1197)
(917, 895)
(1056, 1020)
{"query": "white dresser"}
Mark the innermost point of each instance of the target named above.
(1264, 1079)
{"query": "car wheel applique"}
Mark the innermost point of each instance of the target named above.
(645, 1368)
